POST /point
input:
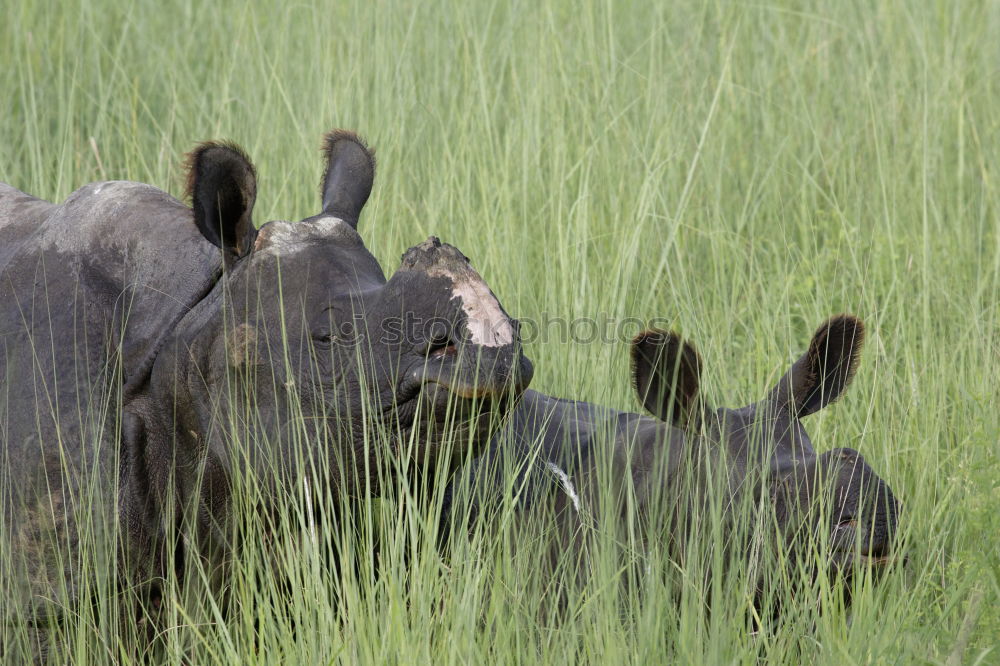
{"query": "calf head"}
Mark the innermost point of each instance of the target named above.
(305, 329)
(835, 499)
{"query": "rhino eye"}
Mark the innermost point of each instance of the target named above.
(324, 335)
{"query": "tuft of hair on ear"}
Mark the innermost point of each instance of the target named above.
(666, 373)
(822, 373)
(839, 339)
(222, 188)
(194, 160)
(330, 141)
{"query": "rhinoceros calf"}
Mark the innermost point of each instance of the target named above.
(223, 348)
(578, 463)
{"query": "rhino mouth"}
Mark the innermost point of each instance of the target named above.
(446, 386)
(848, 556)
(851, 563)
(876, 560)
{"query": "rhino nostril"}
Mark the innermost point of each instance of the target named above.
(438, 341)
(442, 349)
(441, 343)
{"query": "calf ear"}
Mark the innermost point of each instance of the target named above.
(666, 371)
(348, 176)
(824, 371)
(222, 185)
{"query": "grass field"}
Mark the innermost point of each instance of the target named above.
(739, 170)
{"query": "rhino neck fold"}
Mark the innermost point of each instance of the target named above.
(140, 349)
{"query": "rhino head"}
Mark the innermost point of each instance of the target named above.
(834, 500)
(305, 357)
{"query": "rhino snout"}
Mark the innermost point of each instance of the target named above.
(867, 512)
(460, 336)
(470, 372)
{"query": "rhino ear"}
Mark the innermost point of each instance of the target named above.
(666, 371)
(824, 371)
(348, 176)
(222, 185)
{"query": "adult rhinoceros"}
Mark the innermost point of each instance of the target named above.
(223, 348)
(578, 464)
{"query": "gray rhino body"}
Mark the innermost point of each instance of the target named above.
(150, 352)
(580, 465)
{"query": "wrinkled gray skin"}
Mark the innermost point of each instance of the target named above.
(123, 293)
(691, 454)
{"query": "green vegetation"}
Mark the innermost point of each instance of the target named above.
(741, 170)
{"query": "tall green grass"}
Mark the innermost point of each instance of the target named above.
(742, 170)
